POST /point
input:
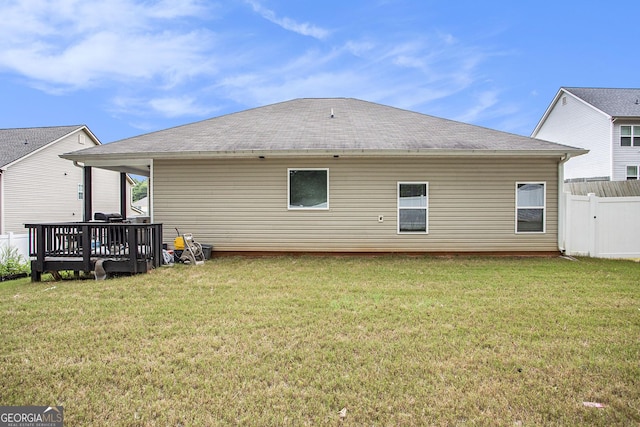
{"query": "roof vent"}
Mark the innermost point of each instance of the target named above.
(332, 113)
(637, 101)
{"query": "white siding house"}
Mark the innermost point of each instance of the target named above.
(595, 119)
(36, 185)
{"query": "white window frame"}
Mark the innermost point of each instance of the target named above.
(80, 191)
(425, 208)
(543, 207)
(629, 177)
(305, 208)
(634, 132)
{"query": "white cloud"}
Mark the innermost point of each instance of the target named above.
(409, 74)
(483, 102)
(304, 28)
(179, 106)
(170, 58)
(71, 44)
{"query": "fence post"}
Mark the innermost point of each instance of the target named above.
(593, 225)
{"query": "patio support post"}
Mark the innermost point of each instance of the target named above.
(123, 194)
(88, 214)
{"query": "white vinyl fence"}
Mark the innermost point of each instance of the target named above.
(602, 227)
(18, 241)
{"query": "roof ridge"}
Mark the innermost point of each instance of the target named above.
(45, 127)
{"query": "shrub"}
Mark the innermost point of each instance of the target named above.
(11, 262)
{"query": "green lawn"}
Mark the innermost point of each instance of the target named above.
(293, 340)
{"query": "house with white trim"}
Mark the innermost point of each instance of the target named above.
(37, 186)
(605, 121)
(341, 175)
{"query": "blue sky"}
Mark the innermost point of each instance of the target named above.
(127, 67)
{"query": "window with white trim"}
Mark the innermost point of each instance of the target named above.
(80, 192)
(530, 207)
(632, 173)
(308, 188)
(629, 135)
(413, 206)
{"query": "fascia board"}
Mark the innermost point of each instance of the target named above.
(113, 159)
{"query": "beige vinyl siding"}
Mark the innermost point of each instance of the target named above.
(241, 204)
(42, 187)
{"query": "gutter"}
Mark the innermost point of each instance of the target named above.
(363, 153)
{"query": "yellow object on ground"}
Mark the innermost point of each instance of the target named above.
(178, 243)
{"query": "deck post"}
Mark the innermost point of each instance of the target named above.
(37, 266)
(88, 208)
(85, 238)
(132, 242)
(123, 194)
(157, 245)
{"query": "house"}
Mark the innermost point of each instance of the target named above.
(141, 205)
(345, 175)
(604, 121)
(36, 185)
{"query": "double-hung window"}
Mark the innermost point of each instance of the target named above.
(530, 207)
(413, 205)
(308, 188)
(630, 135)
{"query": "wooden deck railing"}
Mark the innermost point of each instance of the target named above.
(132, 248)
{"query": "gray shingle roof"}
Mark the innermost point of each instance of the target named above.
(306, 126)
(17, 143)
(614, 102)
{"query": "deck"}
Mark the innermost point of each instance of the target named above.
(104, 248)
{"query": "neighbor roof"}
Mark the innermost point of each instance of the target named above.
(614, 102)
(319, 125)
(17, 143)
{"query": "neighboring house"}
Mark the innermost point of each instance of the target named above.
(604, 121)
(142, 205)
(36, 185)
(345, 175)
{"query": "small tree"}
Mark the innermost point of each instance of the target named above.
(139, 190)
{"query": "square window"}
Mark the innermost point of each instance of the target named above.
(632, 172)
(413, 207)
(629, 136)
(530, 207)
(308, 188)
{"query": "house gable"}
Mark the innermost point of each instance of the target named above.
(569, 120)
(591, 118)
(39, 186)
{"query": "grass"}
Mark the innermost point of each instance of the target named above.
(293, 340)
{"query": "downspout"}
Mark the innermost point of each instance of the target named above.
(562, 204)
